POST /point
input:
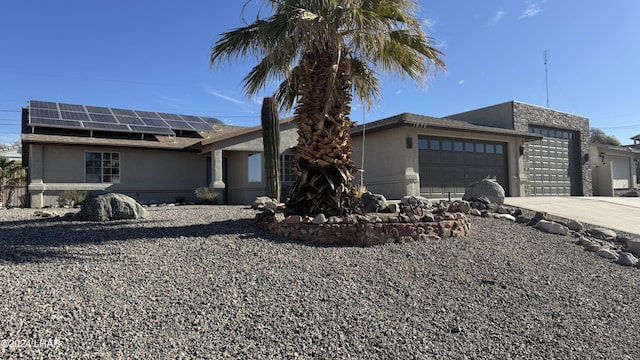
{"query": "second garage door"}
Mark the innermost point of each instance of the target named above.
(554, 162)
(448, 165)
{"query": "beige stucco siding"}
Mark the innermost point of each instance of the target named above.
(239, 189)
(392, 169)
(236, 188)
(389, 167)
(147, 175)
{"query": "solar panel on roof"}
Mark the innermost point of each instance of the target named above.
(55, 122)
(179, 125)
(104, 126)
(192, 118)
(71, 107)
(42, 104)
(201, 126)
(147, 114)
(152, 130)
(72, 115)
(211, 120)
(129, 120)
(154, 122)
(103, 118)
(45, 113)
(98, 110)
(170, 116)
(124, 112)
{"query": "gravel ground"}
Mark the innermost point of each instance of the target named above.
(203, 282)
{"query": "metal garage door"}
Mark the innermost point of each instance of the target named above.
(554, 162)
(448, 165)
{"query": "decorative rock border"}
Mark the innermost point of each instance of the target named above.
(365, 230)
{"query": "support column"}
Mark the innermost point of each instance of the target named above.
(216, 173)
(36, 186)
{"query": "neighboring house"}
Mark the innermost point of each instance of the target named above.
(12, 152)
(410, 154)
(615, 168)
(558, 164)
(152, 157)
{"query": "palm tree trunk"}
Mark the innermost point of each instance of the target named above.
(323, 162)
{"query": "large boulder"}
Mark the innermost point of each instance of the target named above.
(374, 202)
(485, 188)
(111, 206)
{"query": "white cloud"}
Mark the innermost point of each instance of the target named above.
(499, 15)
(533, 8)
(460, 82)
(223, 97)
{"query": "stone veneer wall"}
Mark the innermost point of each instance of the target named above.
(525, 115)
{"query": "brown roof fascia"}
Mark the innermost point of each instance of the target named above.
(422, 121)
(239, 131)
(166, 144)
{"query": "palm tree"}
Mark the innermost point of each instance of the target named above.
(323, 51)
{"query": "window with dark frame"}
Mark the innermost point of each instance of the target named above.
(102, 167)
(286, 161)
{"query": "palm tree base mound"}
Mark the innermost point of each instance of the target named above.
(364, 230)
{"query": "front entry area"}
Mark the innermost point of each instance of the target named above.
(449, 165)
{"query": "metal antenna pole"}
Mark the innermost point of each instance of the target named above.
(546, 76)
(363, 139)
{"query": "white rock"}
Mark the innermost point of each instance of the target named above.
(552, 227)
(504, 216)
(607, 254)
(319, 219)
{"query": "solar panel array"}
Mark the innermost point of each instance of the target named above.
(71, 116)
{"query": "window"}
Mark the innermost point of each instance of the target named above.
(102, 167)
(468, 147)
(446, 145)
(480, 148)
(457, 146)
(254, 169)
(434, 144)
(490, 148)
(287, 168)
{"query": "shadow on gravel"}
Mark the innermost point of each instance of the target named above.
(44, 240)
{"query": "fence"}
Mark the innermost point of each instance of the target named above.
(14, 196)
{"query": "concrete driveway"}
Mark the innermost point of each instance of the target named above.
(616, 213)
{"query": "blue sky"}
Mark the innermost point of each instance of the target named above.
(154, 55)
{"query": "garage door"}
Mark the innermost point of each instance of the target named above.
(448, 165)
(554, 162)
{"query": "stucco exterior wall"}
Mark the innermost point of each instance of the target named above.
(389, 167)
(236, 189)
(392, 169)
(147, 175)
(500, 116)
